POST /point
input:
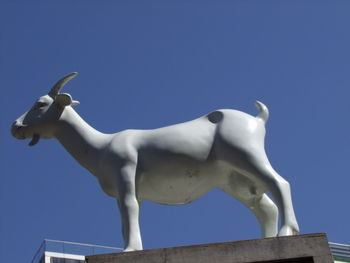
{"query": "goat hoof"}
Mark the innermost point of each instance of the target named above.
(130, 249)
(288, 231)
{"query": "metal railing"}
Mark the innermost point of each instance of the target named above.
(65, 247)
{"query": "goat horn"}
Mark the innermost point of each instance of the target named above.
(59, 85)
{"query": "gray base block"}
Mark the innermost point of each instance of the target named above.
(301, 248)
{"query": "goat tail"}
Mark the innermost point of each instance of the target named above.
(263, 114)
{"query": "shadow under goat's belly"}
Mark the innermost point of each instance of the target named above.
(174, 185)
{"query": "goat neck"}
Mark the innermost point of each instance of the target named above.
(81, 140)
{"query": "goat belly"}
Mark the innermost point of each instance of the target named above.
(174, 185)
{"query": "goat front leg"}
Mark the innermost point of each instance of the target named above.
(129, 208)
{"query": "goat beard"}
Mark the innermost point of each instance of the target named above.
(35, 140)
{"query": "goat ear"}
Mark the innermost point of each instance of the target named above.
(64, 99)
(75, 102)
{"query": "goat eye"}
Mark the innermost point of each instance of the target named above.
(39, 105)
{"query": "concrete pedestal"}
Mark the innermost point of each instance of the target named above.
(301, 248)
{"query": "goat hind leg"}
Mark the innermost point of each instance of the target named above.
(262, 207)
(281, 193)
(267, 214)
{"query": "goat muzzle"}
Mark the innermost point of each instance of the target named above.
(16, 131)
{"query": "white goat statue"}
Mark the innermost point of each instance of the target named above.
(172, 165)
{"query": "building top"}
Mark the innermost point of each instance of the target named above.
(56, 251)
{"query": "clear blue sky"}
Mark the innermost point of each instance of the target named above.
(147, 64)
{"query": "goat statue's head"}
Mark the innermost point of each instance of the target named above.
(41, 120)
